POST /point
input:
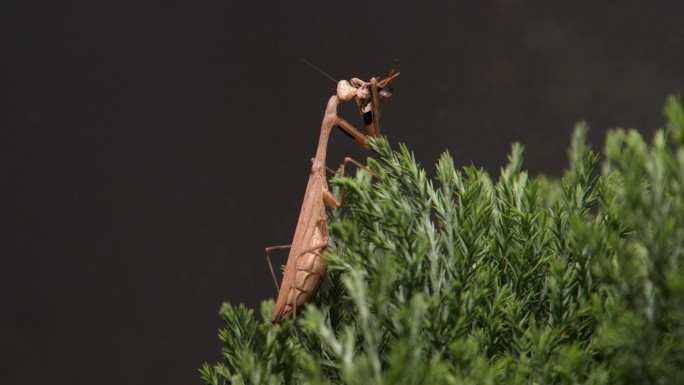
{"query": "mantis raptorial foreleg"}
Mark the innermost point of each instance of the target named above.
(352, 132)
(368, 99)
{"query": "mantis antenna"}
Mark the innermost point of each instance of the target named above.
(319, 70)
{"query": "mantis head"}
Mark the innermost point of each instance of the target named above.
(356, 88)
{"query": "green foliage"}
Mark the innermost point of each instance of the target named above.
(468, 280)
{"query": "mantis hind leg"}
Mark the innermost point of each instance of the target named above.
(270, 265)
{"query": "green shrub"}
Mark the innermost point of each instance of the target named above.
(468, 280)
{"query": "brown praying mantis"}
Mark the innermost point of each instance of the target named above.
(305, 268)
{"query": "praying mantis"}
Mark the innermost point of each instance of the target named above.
(305, 268)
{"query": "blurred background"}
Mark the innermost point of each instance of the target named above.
(151, 150)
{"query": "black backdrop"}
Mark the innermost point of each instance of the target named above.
(151, 150)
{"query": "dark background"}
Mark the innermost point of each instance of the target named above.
(151, 150)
